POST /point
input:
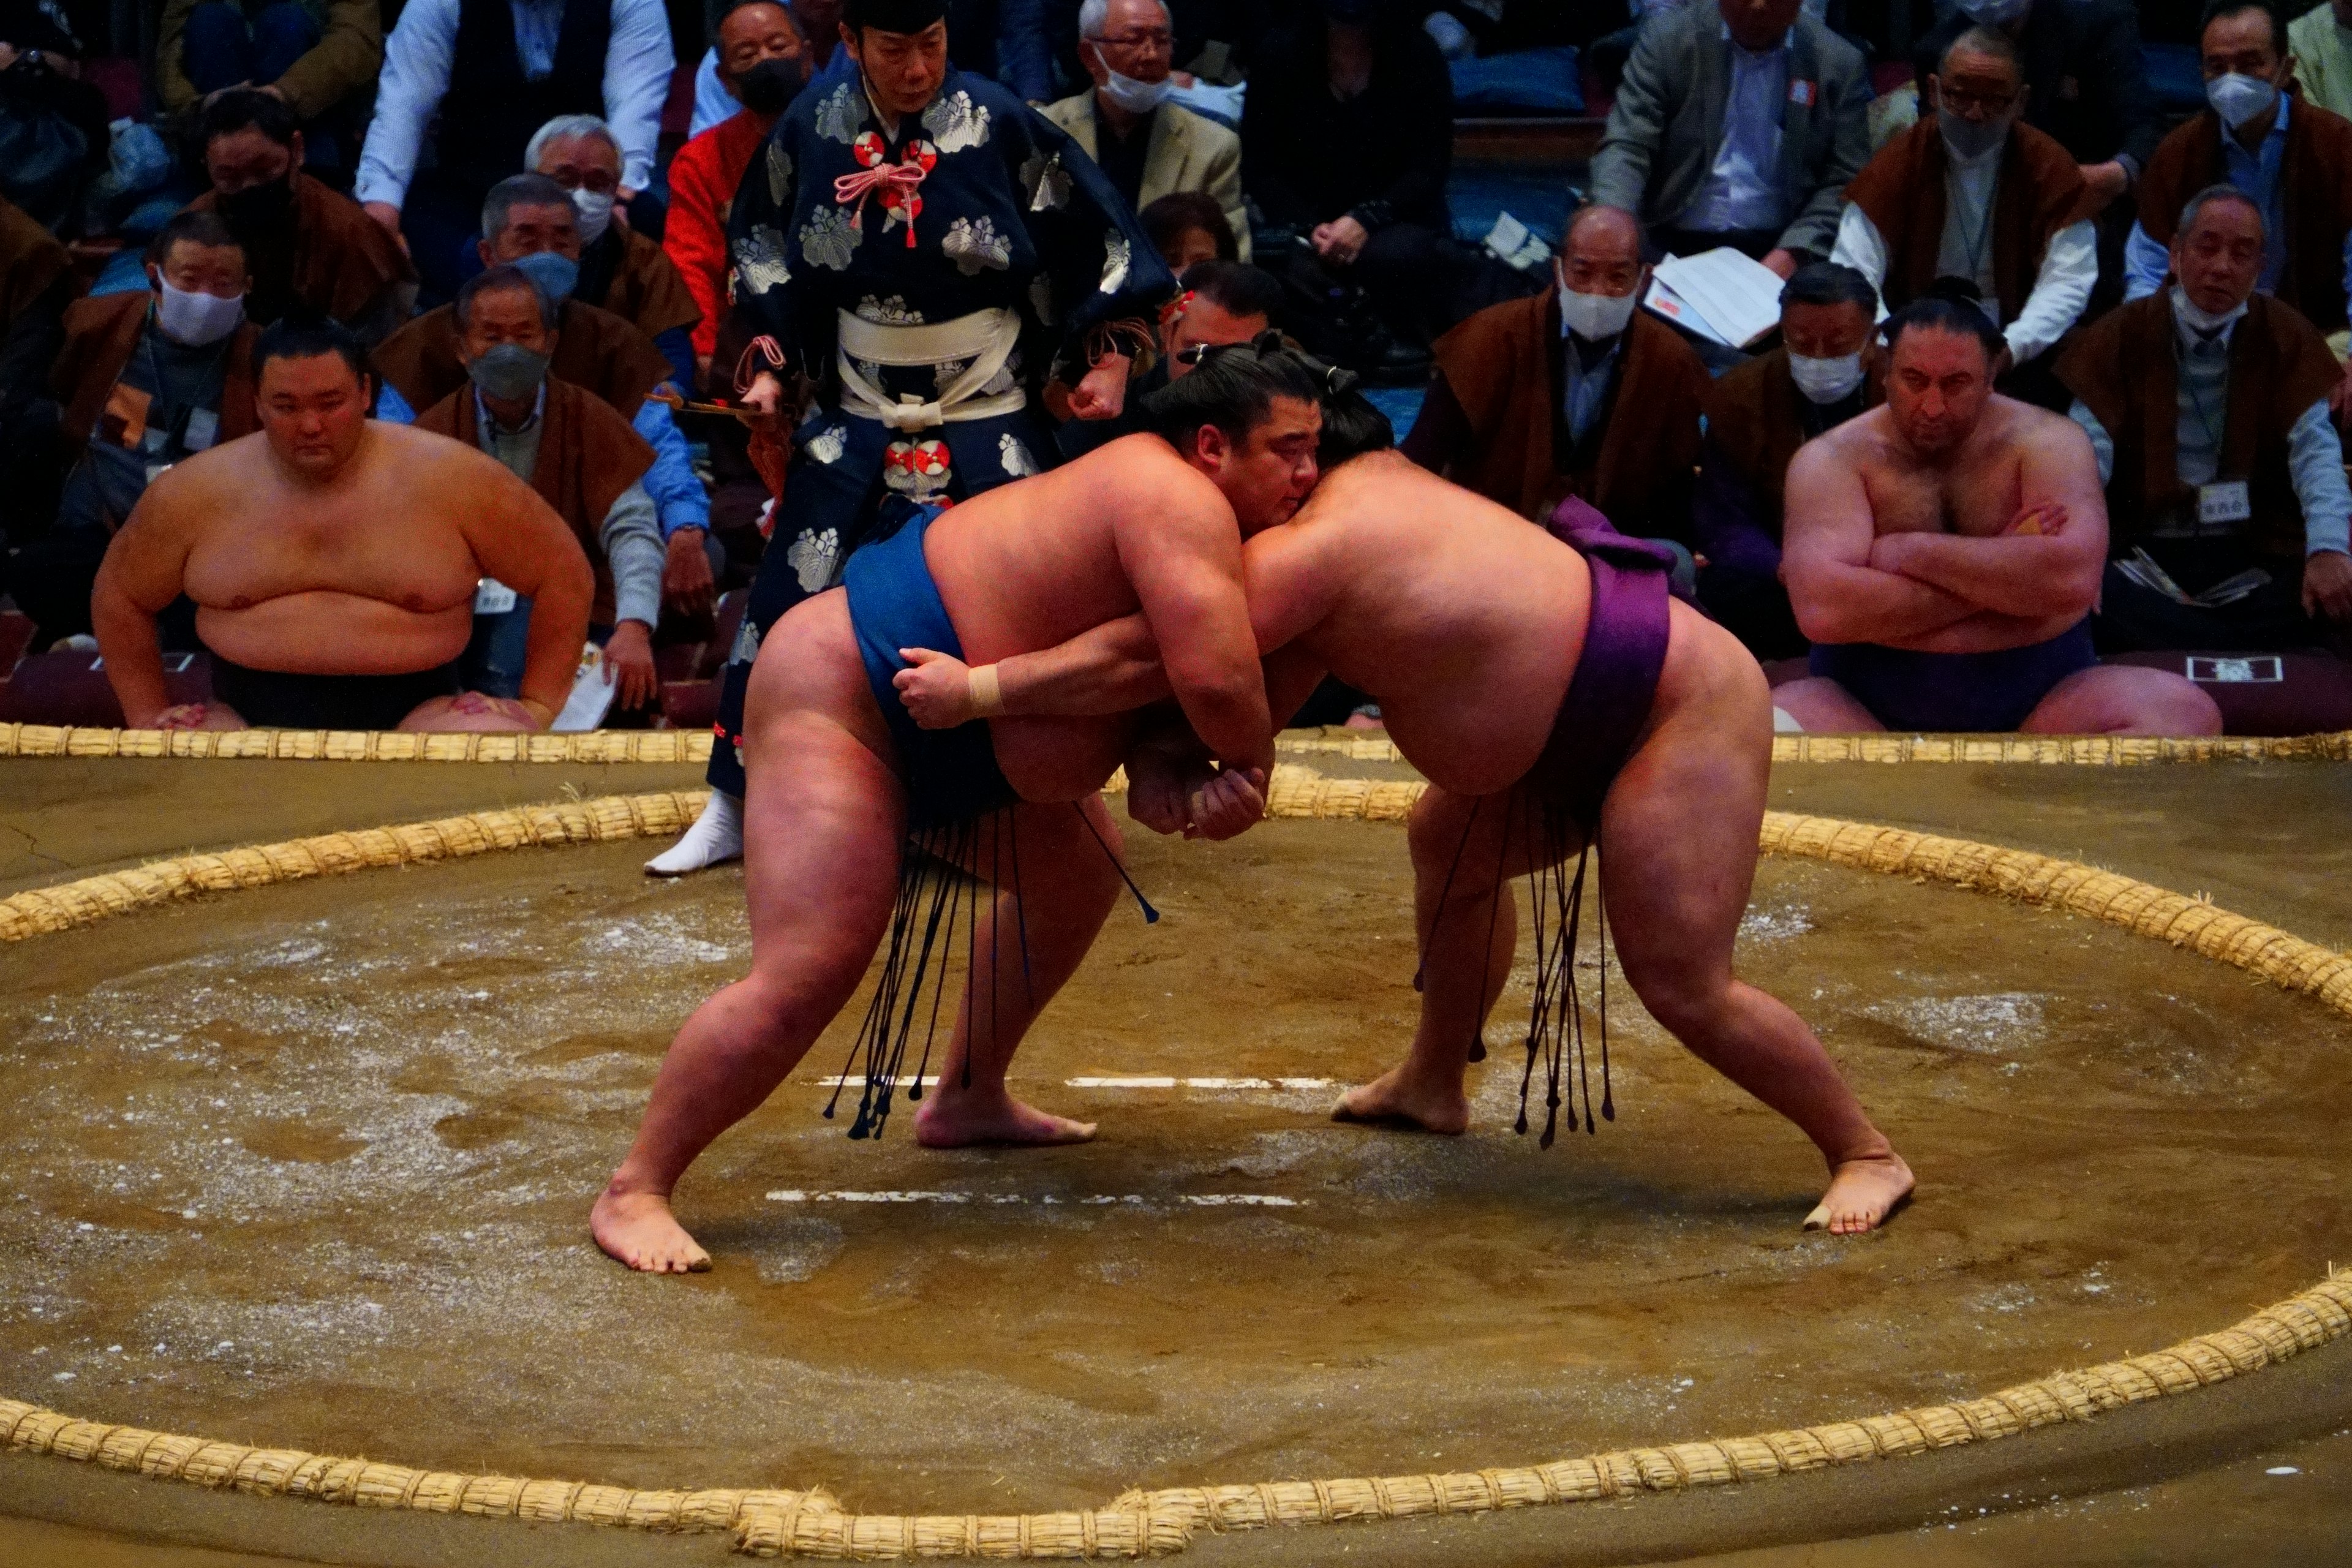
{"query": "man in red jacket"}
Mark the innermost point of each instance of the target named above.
(762, 62)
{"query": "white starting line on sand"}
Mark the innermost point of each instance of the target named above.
(1196, 1200)
(1261, 1085)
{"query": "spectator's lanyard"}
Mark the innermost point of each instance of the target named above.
(1975, 247)
(2213, 433)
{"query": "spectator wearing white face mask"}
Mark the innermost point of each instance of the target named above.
(2291, 156)
(1825, 372)
(144, 380)
(1149, 147)
(620, 271)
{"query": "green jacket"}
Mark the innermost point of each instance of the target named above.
(348, 54)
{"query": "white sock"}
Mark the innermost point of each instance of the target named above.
(716, 836)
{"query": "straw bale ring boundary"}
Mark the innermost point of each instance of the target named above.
(771, 1523)
(1370, 745)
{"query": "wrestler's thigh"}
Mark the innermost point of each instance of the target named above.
(809, 662)
(823, 812)
(1047, 854)
(1463, 844)
(1678, 832)
(2121, 698)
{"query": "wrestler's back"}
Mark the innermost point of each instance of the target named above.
(1463, 619)
(369, 573)
(1032, 564)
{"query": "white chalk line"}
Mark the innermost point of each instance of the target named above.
(1095, 1200)
(1258, 1084)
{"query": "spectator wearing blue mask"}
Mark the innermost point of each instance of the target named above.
(620, 271)
(2292, 157)
(530, 222)
(482, 77)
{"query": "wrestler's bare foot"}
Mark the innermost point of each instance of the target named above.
(961, 1120)
(1863, 1193)
(637, 1230)
(1399, 1098)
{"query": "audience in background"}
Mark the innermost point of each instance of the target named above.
(484, 76)
(584, 461)
(620, 269)
(1575, 391)
(2036, 186)
(763, 63)
(530, 222)
(307, 246)
(2207, 407)
(320, 59)
(1737, 124)
(1149, 147)
(1825, 372)
(2292, 157)
(145, 381)
(1347, 138)
(1972, 191)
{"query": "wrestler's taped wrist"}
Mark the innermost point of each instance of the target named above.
(987, 691)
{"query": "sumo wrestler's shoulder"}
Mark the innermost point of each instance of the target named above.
(196, 486)
(413, 457)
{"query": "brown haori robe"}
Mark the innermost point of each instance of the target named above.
(1505, 369)
(647, 289)
(101, 334)
(2038, 192)
(594, 347)
(31, 260)
(1755, 417)
(2125, 369)
(587, 457)
(2315, 185)
(329, 257)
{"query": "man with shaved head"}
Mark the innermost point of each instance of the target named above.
(1524, 407)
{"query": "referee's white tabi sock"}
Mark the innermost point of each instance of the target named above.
(716, 836)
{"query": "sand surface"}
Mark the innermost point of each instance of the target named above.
(309, 1166)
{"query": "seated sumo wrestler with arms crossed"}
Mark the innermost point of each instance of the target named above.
(333, 561)
(1944, 553)
(1550, 701)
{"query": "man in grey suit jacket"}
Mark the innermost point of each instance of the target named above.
(1739, 123)
(1149, 146)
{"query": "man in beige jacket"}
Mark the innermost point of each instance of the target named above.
(1149, 146)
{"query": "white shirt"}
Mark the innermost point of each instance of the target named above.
(1742, 190)
(416, 64)
(2061, 287)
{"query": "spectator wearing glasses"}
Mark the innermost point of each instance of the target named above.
(2292, 157)
(620, 271)
(1973, 193)
(1149, 147)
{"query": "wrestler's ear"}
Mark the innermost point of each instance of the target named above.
(1211, 449)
